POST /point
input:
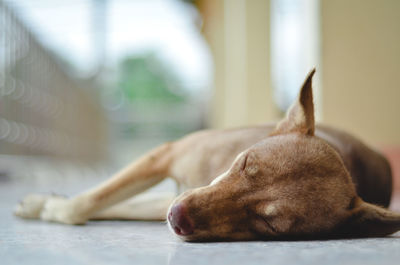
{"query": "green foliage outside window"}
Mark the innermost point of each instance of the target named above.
(146, 77)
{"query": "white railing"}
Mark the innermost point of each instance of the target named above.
(43, 111)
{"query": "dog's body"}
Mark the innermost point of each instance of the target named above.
(242, 184)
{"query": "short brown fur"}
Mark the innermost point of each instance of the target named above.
(292, 180)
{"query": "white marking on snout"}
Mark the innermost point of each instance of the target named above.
(219, 178)
(225, 174)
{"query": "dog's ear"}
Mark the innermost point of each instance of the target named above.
(368, 220)
(300, 116)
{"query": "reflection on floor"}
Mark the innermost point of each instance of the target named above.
(32, 242)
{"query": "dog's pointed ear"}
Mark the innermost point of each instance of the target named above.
(300, 116)
(368, 220)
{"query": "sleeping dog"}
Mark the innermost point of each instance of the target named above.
(294, 179)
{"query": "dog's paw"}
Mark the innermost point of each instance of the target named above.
(51, 208)
(62, 210)
(31, 206)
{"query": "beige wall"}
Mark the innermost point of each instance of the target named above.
(360, 58)
(238, 34)
(361, 67)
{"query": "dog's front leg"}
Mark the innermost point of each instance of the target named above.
(139, 176)
(148, 207)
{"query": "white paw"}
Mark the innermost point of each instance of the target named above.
(51, 208)
(62, 210)
(31, 206)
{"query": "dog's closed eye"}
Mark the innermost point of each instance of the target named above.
(248, 167)
(244, 163)
(268, 221)
(263, 219)
(262, 225)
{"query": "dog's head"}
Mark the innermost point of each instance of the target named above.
(292, 184)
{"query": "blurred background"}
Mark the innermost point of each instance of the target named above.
(86, 86)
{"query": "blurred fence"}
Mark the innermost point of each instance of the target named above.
(43, 111)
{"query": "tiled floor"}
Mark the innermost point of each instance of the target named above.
(33, 242)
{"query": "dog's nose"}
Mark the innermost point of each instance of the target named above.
(180, 221)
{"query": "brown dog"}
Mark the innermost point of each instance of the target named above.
(286, 181)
